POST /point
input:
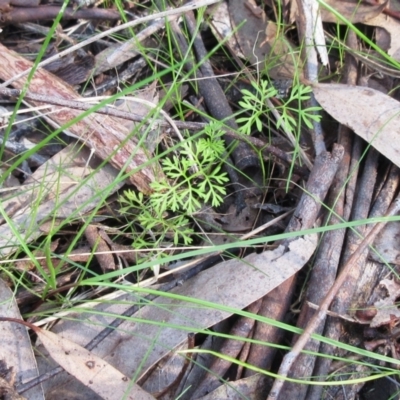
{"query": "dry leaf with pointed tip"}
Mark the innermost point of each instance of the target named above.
(234, 283)
(91, 370)
(371, 114)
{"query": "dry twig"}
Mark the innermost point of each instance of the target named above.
(290, 358)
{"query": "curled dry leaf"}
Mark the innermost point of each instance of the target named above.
(371, 114)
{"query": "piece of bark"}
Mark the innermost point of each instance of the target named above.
(42, 13)
(106, 135)
(353, 296)
(322, 364)
(379, 208)
(323, 274)
(368, 281)
(309, 27)
(323, 309)
(275, 306)
(119, 53)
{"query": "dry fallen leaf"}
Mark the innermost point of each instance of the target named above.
(16, 350)
(234, 283)
(91, 370)
(260, 40)
(371, 114)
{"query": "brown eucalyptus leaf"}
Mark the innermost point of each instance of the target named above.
(156, 331)
(371, 114)
(16, 349)
(91, 370)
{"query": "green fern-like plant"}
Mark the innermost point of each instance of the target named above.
(255, 107)
(192, 179)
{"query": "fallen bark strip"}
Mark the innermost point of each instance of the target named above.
(231, 347)
(327, 259)
(323, 364)
(334, 327)
(106, 135)
(322, 278)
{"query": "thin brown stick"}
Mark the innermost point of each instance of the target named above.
(109, 110)
(80, 104)
(291, 357)
(40, 13)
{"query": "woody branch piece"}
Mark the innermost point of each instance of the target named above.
(12, 15)
(106, 135)
(315, 321)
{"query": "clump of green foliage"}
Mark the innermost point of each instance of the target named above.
(255, 107)
(193, 178)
